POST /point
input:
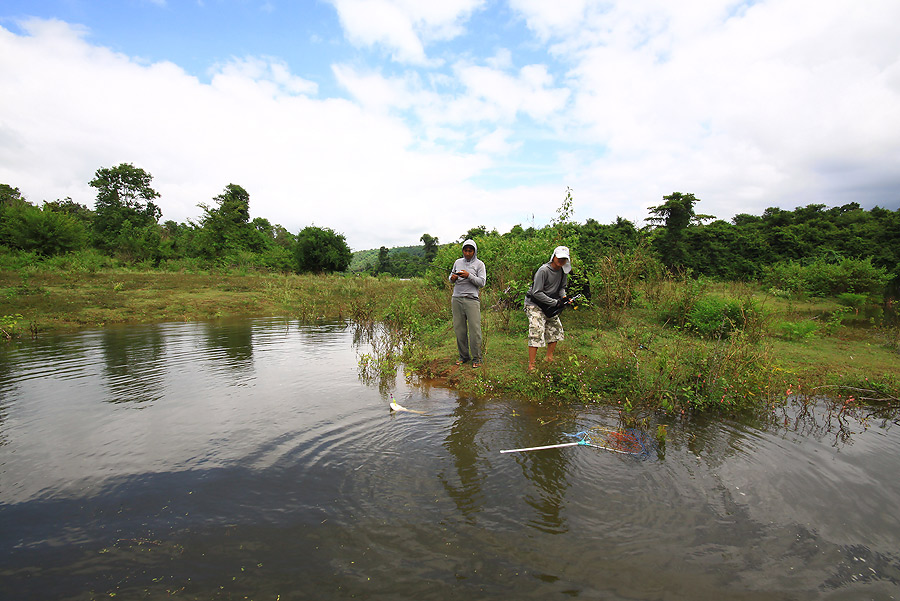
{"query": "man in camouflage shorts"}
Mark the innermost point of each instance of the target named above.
(549, 286)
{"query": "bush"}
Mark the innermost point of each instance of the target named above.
(796, 330)
(84, 261)
(715, 317)
(45, 232)
(321, 250)
(679, 298)
(852, 299)
(823, 278)
(619, 274)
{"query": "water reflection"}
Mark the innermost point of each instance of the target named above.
(461, 442)
(130, 370)
(259, 465)
(231, 344)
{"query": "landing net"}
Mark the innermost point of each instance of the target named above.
(627, 442)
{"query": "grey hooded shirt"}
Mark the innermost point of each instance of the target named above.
(469, 287)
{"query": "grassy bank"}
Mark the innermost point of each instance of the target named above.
(652, 354)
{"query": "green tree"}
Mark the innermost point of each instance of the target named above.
(384, 261)
(283, 237)
(478, 231)
(179, 240)
(565, 228)
(124, 195)
(674, 217)
(225, 227)
(10, 196)
(44, 231)
(431, 247)
(73, 209)
(321, 250)
(723, 250)
(596, 240)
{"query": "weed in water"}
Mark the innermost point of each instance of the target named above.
(9, 324)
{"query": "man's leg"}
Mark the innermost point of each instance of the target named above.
(473, 318)
(536, 324)
(460, 328)
(554, 333)
(532, 355)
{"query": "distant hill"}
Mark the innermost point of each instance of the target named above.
(365, 260)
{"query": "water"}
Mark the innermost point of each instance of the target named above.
(248, 460)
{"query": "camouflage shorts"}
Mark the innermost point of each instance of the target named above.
(541, 329)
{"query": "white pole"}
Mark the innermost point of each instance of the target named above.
(552, 446)
(569, 444)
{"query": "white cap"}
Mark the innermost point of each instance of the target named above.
(562, 252)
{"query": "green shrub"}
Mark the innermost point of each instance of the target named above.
(796, 330)
(45, 232)
(823, 277)
(678, 298)
(714, 317)
(620, 275)
(84, 261)
(852, 299)
(9, 325)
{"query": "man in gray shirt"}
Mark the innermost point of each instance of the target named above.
(468, 276)
(547, 289)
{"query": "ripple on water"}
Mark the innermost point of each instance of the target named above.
(195, 452)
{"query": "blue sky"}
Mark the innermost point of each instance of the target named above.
(387, 119)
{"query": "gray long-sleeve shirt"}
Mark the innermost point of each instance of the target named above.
(549, 284)
(469, 286)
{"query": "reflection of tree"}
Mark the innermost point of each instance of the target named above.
(380, 365)
(8, 386)
(546, 470)
(840, 417)
(462, 446)
(232, 342)
(131, 367)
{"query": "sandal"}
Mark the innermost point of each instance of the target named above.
(476, 365)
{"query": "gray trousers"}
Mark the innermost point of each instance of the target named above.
(467, 327)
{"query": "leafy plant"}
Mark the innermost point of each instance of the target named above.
(823, 277)
(8, 324)
(321, 250)
(853, 300)
(797, 330)
(836, 320)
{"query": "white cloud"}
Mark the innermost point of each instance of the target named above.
(771, 104)
(501, 96)
(271, 75)
(496, 142)
(747, 105)
(77, 108)
(403, 27)
(550, 19)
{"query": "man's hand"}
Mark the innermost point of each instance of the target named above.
(463, 273)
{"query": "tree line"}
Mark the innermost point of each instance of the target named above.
(125, 223)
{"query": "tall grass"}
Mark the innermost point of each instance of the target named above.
(648, 340)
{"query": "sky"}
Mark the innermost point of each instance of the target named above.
(388, 119)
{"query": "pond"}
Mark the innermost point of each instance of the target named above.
(249, 460)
